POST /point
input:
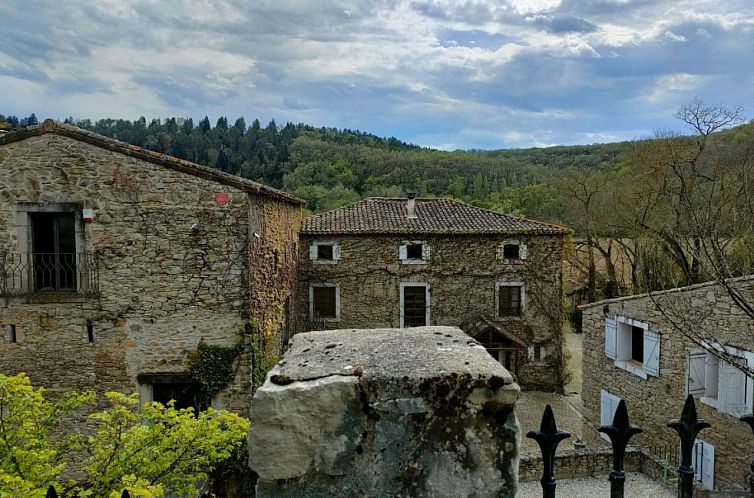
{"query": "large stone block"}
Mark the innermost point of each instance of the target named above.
(386, 412)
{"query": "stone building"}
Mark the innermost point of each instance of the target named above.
(396, 262)
(118, 261)
(654, 350)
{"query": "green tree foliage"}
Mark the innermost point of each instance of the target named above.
(151, 450)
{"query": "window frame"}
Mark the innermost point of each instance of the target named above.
(523, 250)
(619, 347)
(314, 252)
(427, 301)
(312, 318)
(522, 298)
(403, 252)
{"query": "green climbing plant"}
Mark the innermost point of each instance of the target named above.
(214, 366)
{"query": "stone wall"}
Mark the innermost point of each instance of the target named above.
(384, 413)
(163, 285)
(652, 402)
(462, 273)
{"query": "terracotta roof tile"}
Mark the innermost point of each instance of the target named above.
(380, 215)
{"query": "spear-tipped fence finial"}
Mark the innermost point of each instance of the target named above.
(619, 432)
(687, 427)
(548, 436)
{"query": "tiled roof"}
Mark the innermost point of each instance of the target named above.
(379, 215)
(65, 130)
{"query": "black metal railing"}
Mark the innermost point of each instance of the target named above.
(620, 432)
(31, 273)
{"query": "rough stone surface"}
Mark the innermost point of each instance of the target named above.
(652, 402)
(163, 287)
(385, 412)
(462, 273)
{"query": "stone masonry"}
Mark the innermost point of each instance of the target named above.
(386, 413)
(184, 253)
(704, 309)
(461, 273)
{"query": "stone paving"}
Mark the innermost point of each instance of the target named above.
(531, 404)
(637, 486)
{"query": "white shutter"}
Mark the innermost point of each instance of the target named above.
(336, 252)
(695, 370)
(611, 339)
(608, 405)
(708, 466)
(703, 463)
(425, 252)
(732, 391)
(652, 353)
(523, 251)
(530, 353)
(403, 252)
(313, 252)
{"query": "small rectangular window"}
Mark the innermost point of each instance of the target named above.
(325, 252)
(89, 331)
(324, 305)
(509, 301)
(414, 251)
(537, 353)
(414, 306)
(511, 251)
(12, 338)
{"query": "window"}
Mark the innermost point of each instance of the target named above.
(512, 250)
(324, 302)
(414, 304)
(608, 406)
(721, 383)
(324, 252)
(181, 388)
(633, 346)
(413, 252)
(536, 353)
(510, 299)
(53, 251)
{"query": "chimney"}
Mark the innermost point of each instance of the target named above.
(411, 205)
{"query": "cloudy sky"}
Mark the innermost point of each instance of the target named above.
(440, 73)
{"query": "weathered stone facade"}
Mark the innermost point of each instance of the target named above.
(462, 273)
(353, 413)
(706, 309)
(183, 254)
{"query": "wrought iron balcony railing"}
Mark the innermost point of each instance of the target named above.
(25, 274)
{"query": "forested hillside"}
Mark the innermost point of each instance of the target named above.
(330, 168)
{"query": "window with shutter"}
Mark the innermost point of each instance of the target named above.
(324, 302)
(726, 385)
(413, 252)
(510, 299)
(635, 347)
(324, 252)
(703, 463)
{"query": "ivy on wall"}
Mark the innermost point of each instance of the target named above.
(214, 366)
(261, 360)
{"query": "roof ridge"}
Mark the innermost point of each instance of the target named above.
(172, 162)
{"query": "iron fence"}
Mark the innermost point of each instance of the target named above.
(24, 274)
(620, 432)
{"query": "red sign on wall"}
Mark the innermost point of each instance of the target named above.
(221, 198)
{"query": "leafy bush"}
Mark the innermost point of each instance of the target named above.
(151, 450)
